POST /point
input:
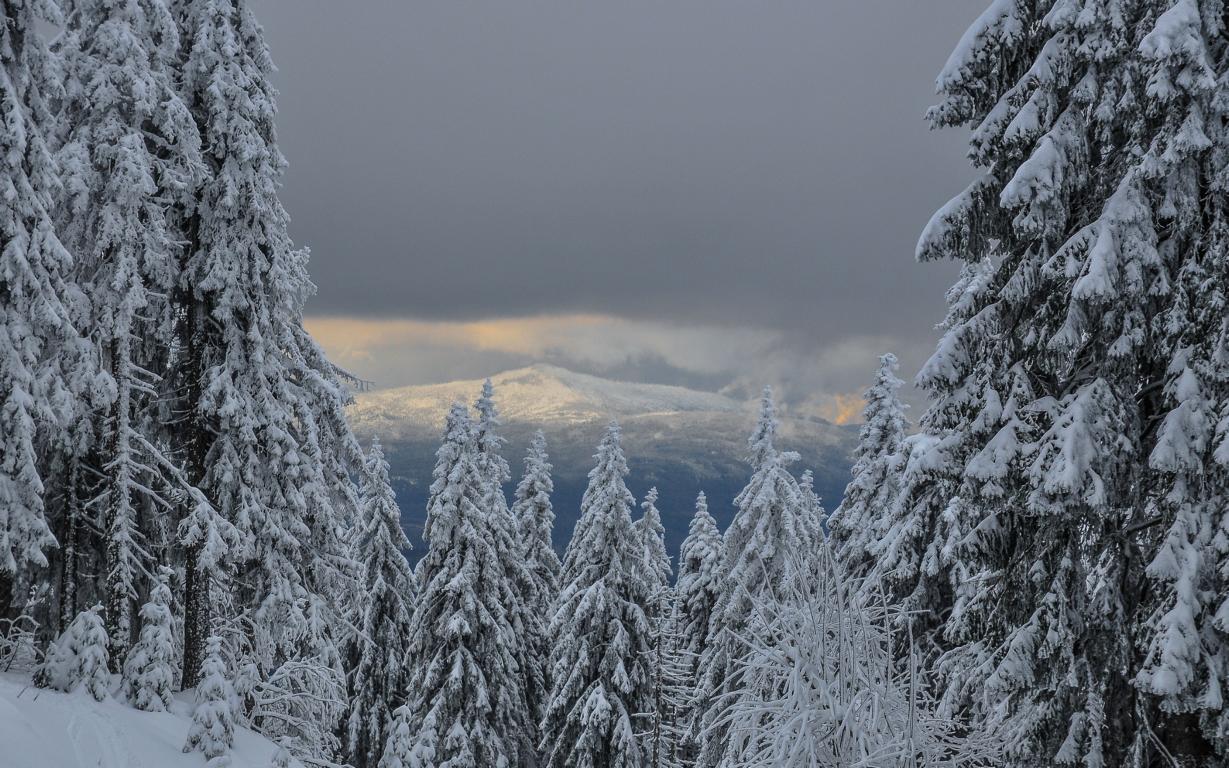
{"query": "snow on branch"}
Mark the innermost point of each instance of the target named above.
(825, 684)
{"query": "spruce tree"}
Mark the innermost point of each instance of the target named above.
(525, 623)
(264, 432)
(213, 721)
(464, 686)
(856, 526)
(603, 638)
(815, 516)
(768, 544)
(699, 581)
(78, 657)
(403, 749)
(39, 305)
(650, 535)
(378, 676)
(130, 157)
(697, 592)
(149, 670)
(535, 520)
(1076, 440)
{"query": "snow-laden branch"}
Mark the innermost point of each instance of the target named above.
(824, 684)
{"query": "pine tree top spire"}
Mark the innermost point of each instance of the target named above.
(762, 439)
(488, 442)
(703, 540)
(651, 532)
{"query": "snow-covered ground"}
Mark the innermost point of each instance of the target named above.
(47, 729)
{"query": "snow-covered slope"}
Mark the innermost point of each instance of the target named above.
(678, 439)
(48, 729)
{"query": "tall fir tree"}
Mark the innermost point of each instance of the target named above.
(39, 305)
(856, 526)
(815, 516)
(149, 670)
(1076, 444)
(378, 674)
(651, 537)
(535, 519)
(603, 637)
(699, 581)
(129, 159)
(767, 544)
(464, 683)
(265, 434)
(698, 589)
(525, 623)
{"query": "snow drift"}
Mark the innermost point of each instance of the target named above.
(40, 728)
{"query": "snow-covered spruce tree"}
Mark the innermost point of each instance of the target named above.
(78, 657)
(213, 721)
(856, 525)
(699, 581)
(768, 541)
(264, 432)
(827, 684)
(602, 635)
(918, 555)
(149, 670)
(525, 622)
(464, 684)
(651, 536)
(536, 520)
(130, 155)
(813, 506)
(38, 302)
(404, 749)
(697, 592)
(377, 677)
(1077, 435)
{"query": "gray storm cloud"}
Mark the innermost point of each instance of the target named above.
(718, 163)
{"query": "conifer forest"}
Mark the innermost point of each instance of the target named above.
(201, 564)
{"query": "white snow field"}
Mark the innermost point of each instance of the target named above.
(41, 728)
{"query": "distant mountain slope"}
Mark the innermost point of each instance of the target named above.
(678, 439)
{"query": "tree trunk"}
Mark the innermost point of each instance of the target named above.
(68, 574)
(196, 619)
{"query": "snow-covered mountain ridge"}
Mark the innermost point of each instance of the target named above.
(540, 394)
(678, 439)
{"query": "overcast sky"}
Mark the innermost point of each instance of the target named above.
(707, 192)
